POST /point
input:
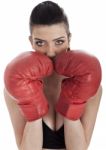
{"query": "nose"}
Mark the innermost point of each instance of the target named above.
(51, 51)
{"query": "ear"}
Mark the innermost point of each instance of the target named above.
(69, 36)
(30, 39)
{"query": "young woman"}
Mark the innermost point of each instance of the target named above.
(47, 128)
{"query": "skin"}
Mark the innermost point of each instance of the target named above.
(51, 40)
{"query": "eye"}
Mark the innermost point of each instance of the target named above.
(40, 43)
(59, 42)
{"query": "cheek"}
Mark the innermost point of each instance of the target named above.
(63, 47)
(39, 49)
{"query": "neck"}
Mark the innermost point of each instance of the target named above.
(53, 79)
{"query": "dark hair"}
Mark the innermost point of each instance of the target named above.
(48, 13)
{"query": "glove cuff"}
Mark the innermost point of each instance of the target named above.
(34, 111)
(71, 111)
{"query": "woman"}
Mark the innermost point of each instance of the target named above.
(50, 35)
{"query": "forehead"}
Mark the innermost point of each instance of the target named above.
(53, 31)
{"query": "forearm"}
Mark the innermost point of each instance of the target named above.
(32, 136)
(74, 135)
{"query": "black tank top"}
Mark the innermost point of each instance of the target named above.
(53, 139)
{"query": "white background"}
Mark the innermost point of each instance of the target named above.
(88, 26)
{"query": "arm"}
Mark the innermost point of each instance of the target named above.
(84, 72)
(32, 136)
(26, 102)
(74, 135)
(88, 119)
(24, 130)
(81, 130)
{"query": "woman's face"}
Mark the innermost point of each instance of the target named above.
(49, 40)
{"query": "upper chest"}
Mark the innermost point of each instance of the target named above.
(52, 89)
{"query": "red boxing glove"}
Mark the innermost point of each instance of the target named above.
(23, 79)
(84, 72)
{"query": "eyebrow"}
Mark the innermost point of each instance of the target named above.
(53, 39)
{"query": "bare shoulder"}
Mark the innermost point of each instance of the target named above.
(12, 106)
(92, 106)
(10, 102)
(96, 98)
(17, 120)
(99, 92)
